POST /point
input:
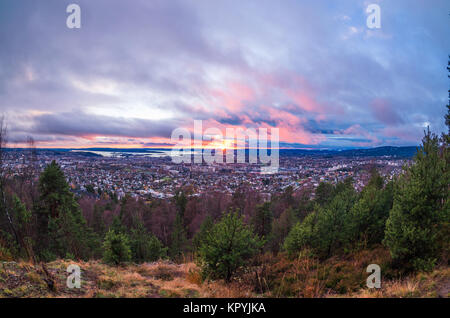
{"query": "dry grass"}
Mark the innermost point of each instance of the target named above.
(274, 277)
(159, 279)
(429, 285)
(341, 276)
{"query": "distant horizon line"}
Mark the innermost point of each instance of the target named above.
(170, 148)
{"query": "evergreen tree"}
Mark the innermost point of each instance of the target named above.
(179, 242)
(302, 235)
(327, 230)
(98, 224)
(117, 225)
(181, 202)
(23, 220)
(369, 214)
(262, 220)
(324, 193)
(281, 228)
(62, 229)
(333, 224)
(228, 246)
(420, 208)
(116, 248)
(145, 247)
(199, 238)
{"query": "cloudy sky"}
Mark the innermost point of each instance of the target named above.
(138, 69)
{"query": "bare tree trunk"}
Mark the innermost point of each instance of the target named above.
(31, 173)
(3, 142)
(33, 166)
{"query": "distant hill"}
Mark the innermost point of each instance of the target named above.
(396, 152)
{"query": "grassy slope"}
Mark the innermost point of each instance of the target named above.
(165, 279)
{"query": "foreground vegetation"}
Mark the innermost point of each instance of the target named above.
(276, 277)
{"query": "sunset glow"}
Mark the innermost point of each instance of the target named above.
(312, 70)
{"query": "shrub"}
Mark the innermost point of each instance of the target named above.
(116, 248)
(370, 212)
(145, 247)
(228, 246)
(327, 230)
(300, 236)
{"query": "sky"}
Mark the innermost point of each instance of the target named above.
(137, 70)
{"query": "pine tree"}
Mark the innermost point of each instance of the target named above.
(181, 202)
(23, 220)
(199, 238)
(228, 246)
(369, 214)
(327, 230)
(116, 248)
(420, 208)
(262, 220)
(281, 228)
(324, 193)
(98, 224)
(62, 229)
(333, 224)
(178, 244)
(117, 225)
(145, 247)
(302, 235)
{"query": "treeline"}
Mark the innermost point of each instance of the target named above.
(41, 220)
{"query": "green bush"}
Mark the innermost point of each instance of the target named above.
(369, 214)
(116, 248)
(227, 247)
(145, 247)
(327, 230)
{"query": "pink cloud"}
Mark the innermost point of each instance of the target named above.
(384, 111)
(358, 131)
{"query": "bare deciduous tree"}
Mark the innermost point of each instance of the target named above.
(3, 175)
(6, 203)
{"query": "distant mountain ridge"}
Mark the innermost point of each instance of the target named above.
(391, 151)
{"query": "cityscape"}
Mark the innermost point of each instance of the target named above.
(152, 173)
